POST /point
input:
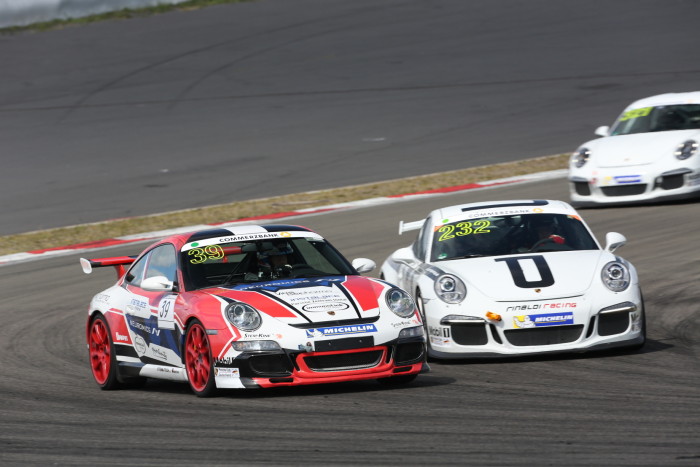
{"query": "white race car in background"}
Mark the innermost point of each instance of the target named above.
(517, 278)
(650, 153)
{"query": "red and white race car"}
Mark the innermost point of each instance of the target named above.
(247, 307)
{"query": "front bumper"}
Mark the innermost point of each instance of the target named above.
(339, 362)
(618, 187)
(619, 325)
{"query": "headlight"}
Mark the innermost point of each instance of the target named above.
(400, 303)
(243, 316)
(580, 157)
(450, 289)
(686, 149)
(615, 276)
(255, 346)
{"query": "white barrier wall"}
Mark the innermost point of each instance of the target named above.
(24, 12)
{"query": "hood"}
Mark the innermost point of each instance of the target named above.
(519, 277)
(312, 300)
(637, 149)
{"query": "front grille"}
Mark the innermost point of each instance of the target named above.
(275, 364)
(344, 361)
(469, 334)
(624, 190)
(613, 323)
(549, 335)
(670, 182)
(409, 352)
(582, 188)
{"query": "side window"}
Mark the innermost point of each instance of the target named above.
(419, 245)
(162, 262)
(135, 273)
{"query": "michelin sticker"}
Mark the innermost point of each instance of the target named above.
(341, 330)
(551, 319)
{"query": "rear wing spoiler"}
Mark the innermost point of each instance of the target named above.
(119, 263)
(408, 226)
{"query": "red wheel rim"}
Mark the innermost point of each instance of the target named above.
(100, 351)
(197, 357)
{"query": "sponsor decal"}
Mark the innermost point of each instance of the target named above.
(261, 335)
(624, 179)
(275, 286)
(137, 306)
(158, 353)
(140, 345)
(439, 332)
(309, 347)
(434, 340)
(165, 369)
(327, 306)
(542, 306)
(540, 320)
(122, 338)
(247, 237)
(102, 298)
(226, 361)
(227, 372)
(143, 327)
(341, 330)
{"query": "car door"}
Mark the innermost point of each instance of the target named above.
(150, 311)
(409, 271)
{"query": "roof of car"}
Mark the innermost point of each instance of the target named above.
(672, 98)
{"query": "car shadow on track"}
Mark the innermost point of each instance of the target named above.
(354, 387)
(650, 346)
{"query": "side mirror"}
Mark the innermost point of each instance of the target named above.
(602, 130)
(157, 284)
(363, 265)
(614, 240)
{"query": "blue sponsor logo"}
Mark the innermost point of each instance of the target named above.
(341, 330)
(549, 319)
(552, 319)
(624, 179)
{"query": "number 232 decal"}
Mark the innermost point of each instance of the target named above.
(461, 229)
(516, 270)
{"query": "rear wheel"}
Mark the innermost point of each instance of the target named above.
(198, 360)
(103, 362)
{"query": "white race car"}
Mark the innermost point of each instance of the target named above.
(650, 153)
(517, 278)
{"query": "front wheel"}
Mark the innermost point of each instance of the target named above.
(103, 362)
(198, 361)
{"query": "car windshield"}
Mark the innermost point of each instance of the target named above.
(207, 264)
(507, 235)
(662, 118)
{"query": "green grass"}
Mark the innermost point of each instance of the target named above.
(228, 212)
(114, 15)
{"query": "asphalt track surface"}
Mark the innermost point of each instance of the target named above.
(630, 409)
(241, 101)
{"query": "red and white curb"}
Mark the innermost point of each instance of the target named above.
(152, 236)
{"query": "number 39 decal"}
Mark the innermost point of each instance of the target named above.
(516, 270)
